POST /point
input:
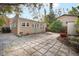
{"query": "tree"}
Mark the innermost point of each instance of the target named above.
(51, 8)
(74, 11)
(59, 12)
(9, 8)
(55, 26)
(34, 9)
(5, 9)
(48, 19)
(51, 14)
(17, 11)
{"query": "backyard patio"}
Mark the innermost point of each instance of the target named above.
(42, 44)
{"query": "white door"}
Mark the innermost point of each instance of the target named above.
(71, 30)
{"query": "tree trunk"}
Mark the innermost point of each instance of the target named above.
(17, 20)
(51, 7)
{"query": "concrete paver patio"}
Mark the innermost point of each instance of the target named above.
(43, 44)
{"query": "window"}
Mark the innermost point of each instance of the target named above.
(14, 25)
(27, 24)
(23, 24)
(37, 25)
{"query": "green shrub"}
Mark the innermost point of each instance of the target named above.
(74, 40)
(64, 29)
(77, 25)
(77, 21)
(56, 26)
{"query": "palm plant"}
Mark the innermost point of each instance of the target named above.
(9, 9)
(4, 10)
(74, 11)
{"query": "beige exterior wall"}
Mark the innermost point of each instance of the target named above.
(24, 29)
(65, 19)
(34, 27)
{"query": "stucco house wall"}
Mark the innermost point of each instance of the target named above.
(24, 29)
(67, 18)
(26, 26)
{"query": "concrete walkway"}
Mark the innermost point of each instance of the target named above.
(44, 44)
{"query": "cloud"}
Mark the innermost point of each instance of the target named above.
(55, 5)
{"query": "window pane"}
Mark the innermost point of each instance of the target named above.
(27, 24)
(23, 24)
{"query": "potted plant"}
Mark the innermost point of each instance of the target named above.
(63, 32)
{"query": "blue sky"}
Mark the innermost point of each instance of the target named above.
(66, 6)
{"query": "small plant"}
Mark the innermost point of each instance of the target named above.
(75, 42)
(76, 39)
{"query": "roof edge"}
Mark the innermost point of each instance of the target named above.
(67, 15)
